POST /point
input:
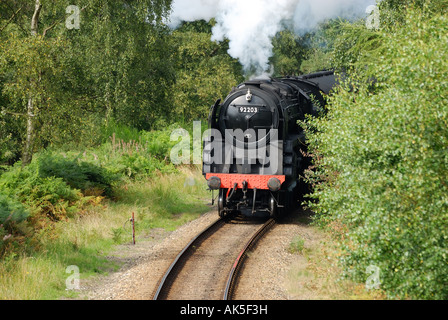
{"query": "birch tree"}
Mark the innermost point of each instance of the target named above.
(67, 68)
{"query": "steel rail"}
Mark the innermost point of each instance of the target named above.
(232, 280)
(172, 272)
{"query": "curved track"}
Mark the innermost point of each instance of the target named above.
(232, 281)
(207, 268)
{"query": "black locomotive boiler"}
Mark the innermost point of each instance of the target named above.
(254, 156)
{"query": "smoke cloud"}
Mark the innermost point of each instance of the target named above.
(250, 25)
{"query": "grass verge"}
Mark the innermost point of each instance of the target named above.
(166, 201)
(316, 273)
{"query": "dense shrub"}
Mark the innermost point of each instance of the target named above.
(43, 195)
(30, 204)
(139, 166)
(81, 175)
(141, 157)
(11, 212)
(383, 163)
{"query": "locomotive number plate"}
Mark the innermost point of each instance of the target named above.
(249, 109)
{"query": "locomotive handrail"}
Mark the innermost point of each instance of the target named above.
(212, 115)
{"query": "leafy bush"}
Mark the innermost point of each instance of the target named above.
(11, 212)
(58, 185)
(137, 165)
(118, 130)
(159, 143)
(29, 204)
(81, 175)
(383, 162)
(141, 157)
(43, 195)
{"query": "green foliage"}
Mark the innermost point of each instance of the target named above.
(59, 185)
(205, 72)
(394, 12)
(297, 245)
(11, 212)
(142, 157)
(321, 46)
(382, 161)
(10, 141)
(317, 60)
(356, 46)
(159, 142)
(42, 194)
(288, 53)
(116, 70)
(119, 131)
(115, 65)
(80, 175)
(126, 61)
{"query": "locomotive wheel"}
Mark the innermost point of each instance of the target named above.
(273, 208)
(221, 211)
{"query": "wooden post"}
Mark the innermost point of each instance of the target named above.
(133, 228)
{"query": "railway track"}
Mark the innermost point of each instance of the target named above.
(209, 266)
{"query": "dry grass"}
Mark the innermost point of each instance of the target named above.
(316, 275)
(28, 278)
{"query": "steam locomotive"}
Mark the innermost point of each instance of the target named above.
(255, 153)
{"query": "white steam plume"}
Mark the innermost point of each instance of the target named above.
(309, 13)
(192, 10)
(250, 25)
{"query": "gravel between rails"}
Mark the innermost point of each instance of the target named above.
(204, 275)
(265, 275)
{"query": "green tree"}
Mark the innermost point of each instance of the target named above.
(393, 12)
(289, 51)
(382, 162)
(58, 83)
(127, 65)
(321, 45)
(354, 43)
(205, 71)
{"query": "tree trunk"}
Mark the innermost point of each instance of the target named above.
(35, 19)
(30, 134)
(30, 123)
